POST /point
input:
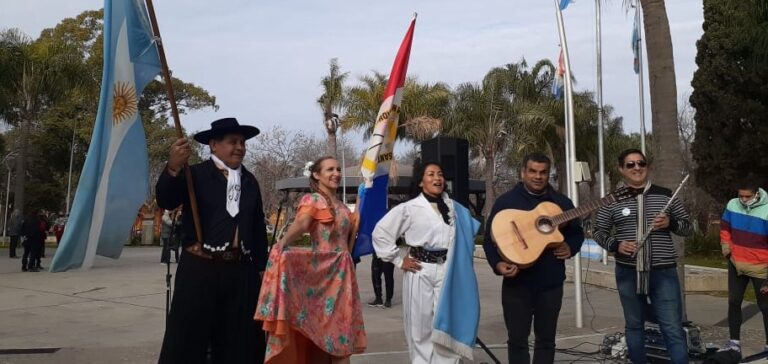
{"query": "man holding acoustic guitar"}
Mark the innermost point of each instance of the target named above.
(638, 231)
(526, 248)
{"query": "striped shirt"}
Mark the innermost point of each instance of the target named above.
(618, 221)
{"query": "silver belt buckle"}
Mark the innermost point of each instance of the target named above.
(440, 260)
(228, 256)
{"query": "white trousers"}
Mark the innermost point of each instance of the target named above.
(421, 292)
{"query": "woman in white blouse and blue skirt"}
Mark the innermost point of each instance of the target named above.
(427, 222)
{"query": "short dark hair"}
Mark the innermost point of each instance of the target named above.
(623, 155)
(748, 182)
(535, 157)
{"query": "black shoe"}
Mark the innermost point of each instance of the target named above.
(33, 270)
(40, 267)
(376, 303)
(23, 269)
(388, 304)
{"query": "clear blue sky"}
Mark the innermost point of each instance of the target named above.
(264, 60)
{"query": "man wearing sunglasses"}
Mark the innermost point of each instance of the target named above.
(646, 273)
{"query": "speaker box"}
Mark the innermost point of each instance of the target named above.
(453, 155)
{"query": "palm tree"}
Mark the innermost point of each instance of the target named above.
(331, 100)
(423, 108)
(661, 76)
(37, 74)
(505, 112)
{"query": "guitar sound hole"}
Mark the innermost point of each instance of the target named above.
(544, 225)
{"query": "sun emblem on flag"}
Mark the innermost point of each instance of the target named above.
(124, 103)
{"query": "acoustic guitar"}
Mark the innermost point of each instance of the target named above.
(521, 236)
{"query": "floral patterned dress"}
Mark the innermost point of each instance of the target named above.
(309, 300)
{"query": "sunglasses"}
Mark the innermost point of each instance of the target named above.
(630, 165)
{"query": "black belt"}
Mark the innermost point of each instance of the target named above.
(428, 256)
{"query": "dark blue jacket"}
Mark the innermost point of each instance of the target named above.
(211, 191)
(548, 271)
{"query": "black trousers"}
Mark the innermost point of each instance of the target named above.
(31, 257)
(522, 305)
(167, 249)
(14, 244)
(737, 286)
(213, 306)
(378, 267)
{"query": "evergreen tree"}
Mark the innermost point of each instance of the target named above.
(731, 97)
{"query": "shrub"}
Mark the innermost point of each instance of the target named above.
(703, 244)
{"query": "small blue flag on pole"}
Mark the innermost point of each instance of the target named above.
(636, 41)
(564, 4)
(114, 181)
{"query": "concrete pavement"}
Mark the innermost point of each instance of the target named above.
(114, 313)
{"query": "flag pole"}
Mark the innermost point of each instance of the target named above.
(570, 142)
(176, 120)
(640, 76)
(600, 127)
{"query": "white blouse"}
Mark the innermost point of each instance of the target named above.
(419, 223)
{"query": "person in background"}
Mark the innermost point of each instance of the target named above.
(744, 242)
(58, 226)
(34, 233)
(379, 267)
(165, 237)
(14, 230)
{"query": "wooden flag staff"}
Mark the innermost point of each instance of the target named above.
(177, 122)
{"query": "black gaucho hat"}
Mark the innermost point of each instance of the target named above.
(226, 126)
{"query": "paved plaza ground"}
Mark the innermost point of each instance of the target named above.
(115, 313)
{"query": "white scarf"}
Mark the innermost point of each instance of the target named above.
(233, 186)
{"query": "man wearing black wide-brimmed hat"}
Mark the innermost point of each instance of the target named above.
(219, 276)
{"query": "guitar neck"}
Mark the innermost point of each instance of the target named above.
(583, 210)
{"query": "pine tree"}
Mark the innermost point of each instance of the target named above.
(731, 96)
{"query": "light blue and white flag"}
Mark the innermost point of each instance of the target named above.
(114, 181)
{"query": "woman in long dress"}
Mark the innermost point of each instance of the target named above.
(309, 301)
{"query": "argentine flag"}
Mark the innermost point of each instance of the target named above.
(114, 180)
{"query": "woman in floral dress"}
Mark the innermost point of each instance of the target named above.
(309, 301)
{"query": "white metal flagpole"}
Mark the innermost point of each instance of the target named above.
(573, 191)
(640, 77)
(600, 127)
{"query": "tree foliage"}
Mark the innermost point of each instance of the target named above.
(51, 95)
(422, 112)
(730, 95)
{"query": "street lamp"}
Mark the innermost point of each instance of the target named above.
(6, 159)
